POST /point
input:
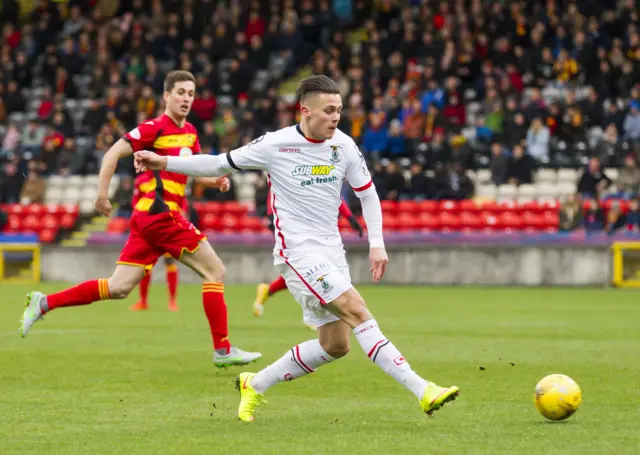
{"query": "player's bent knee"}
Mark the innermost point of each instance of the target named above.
(119, 289)
(351, 308)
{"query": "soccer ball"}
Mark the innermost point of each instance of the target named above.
(557, 397)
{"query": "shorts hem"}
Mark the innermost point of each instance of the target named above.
(135, 264)
(190, 251)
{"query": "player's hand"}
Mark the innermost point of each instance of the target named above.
(356, 226)
(103, 206)
(145, 160)
(379, 260)
(224, 184)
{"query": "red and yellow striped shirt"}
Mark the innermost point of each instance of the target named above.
(162, 191)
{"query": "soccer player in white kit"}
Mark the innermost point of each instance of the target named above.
(307, 165)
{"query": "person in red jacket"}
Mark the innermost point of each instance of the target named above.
(264, 290)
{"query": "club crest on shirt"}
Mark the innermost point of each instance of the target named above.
(335, 153)
(185, 151)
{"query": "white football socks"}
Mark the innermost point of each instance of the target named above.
(301, 360)
(384, 354)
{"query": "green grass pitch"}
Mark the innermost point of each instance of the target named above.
(102, 380)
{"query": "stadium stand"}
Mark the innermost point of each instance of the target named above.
(474, 115)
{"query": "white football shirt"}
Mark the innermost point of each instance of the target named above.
(306, 178)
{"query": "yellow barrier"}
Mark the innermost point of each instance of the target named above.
(33, 276)
(622, 278)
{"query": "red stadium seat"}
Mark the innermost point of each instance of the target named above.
(508, 206)
(389, 206)
(54, 209)
(389, 222)
(511, 221)
(32, 223)
(470, 221)
(407, 207)
(450, 221)
(429, 221)
(428, 206)
(530, 206)
(550, 205)
(449, 206)
(533, 220)
(234, 208)
(71, 209)
(15, 209)
(489, 207)
(68, 220)
(408, 222)
(214, 207)
(250, 223)
(35, 209)
(228, 222)
(48, 235)
(491, 221)
(469, 205)
(208, 220)
(551, 219)
(14, 224)
(49, 222)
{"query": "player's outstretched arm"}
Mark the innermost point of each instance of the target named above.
(117, 151)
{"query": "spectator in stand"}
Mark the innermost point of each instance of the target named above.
(633, 216)
(571, 214)
(420, 186)
(628, 181)
(396, 184)
(10, 141)
(615, 218)
(631, 125)
(34, 186)
(594, 216)
(521, 167)
(593, 181)
(499, 164)
(123, 197)
(538, 141)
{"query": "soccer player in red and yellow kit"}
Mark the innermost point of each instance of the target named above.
(157, 225)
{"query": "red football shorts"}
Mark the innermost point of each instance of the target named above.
(151, 236)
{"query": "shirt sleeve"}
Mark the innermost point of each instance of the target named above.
(143, 136)
(358, 174)
(254, 155)
(251, 156)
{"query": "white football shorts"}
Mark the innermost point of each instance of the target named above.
(317, 279)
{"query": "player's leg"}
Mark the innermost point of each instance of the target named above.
(118, 286)
(304, 358)
(351, 308)
(143, 303)
(136, 255)
(264, 291)
(209, 266)
(172, 281)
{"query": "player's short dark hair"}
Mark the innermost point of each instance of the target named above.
(177, 76)
(316, 84)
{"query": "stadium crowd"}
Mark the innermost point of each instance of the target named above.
(431, 89)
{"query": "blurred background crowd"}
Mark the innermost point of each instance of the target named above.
(434, 92)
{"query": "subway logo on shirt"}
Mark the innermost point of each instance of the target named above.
(312, 169)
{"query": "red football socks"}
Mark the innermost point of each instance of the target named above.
(82, 294)
(172, 281)
(277, 285)
(144, 287)
(216, 310)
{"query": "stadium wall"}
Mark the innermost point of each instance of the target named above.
(570, 265)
